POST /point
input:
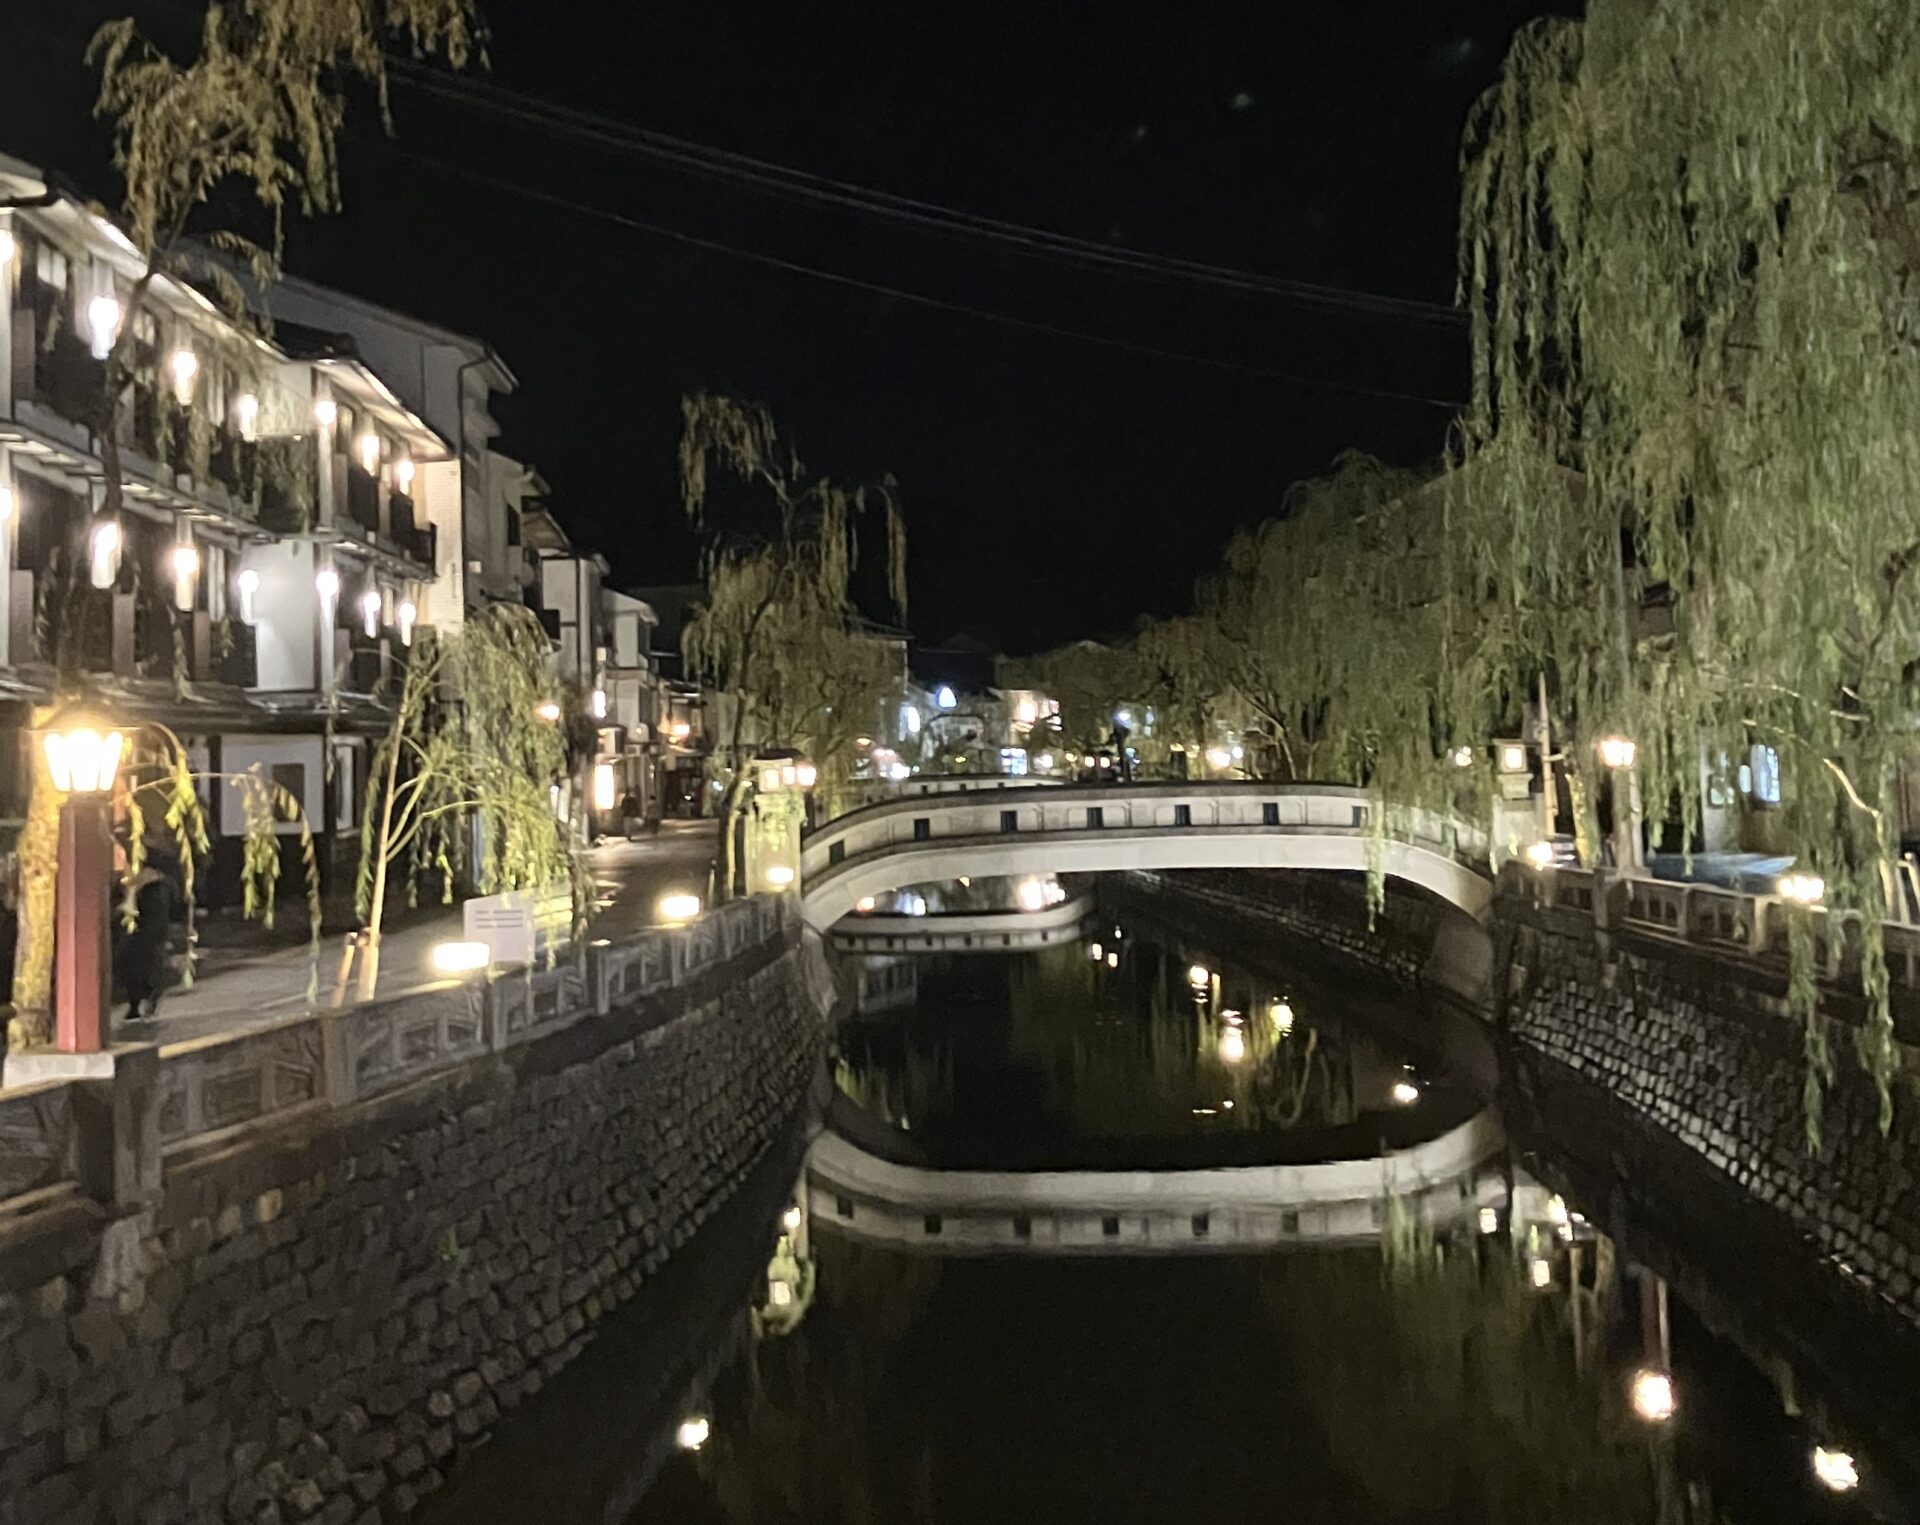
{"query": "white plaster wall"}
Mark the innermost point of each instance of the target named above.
(286, 613)
(239, 754)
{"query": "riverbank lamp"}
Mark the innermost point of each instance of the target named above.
(83, 761)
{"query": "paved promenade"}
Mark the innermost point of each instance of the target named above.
(249, 993)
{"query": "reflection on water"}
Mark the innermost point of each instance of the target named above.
(1131, 1048)
(1421, 1380)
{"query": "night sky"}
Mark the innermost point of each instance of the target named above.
(1055, 487)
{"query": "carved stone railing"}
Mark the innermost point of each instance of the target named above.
(196, 1094)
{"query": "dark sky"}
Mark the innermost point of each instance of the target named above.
(1055, 487)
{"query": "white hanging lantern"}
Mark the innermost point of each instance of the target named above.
(326, 583)
(103, 553)
(403, 475)
(184, 561)
(369, 447)
(405, 616)
(184, 366)
(370, 612)
(247, 584)
(103, 325)
(246, 415)
(326, 412)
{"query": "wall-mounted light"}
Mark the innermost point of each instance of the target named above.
(246, 415)
(326, 582)
(103, 325)
(1233, 1045)
(103, 553)
(370, 612)
(1835, 1469)
(1405, 1093)
(404, 617)
(1653, 1396)
(403, 475)
(597, 704)
(184, 562)
(326, 412)
(247, 585)
(944, 697)
(184, 366)
(369, 447)
(606, 792)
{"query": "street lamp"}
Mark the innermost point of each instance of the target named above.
(83, 759)
(1617, 755)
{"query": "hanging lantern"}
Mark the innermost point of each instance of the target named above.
(246, 415)
(370, 612)
(405, 616)
(103, 325)
(184, 366)
(326, 583)
(184, 561)
(403, 475)
(369, 447)
(247, 584)
(103, 553)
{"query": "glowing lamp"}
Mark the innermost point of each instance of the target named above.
(944, 697)
(246, 415)
(1617, 752)
(461, 957)
(1557, 1211)
(1233, 1045)
(247, 585)
(1405, 1093)
(1513, 757)
(403, 475)
(1653, 1395)
(1540, 1273)
(789, 774)
(370, 612)
(1199, 976)
(1463, 757)
(864, 905)
(693, 1433)
(675, 909)
(606, 789)
(1489, 1220)
(82, 758)
(769, 780)
(1095, 952)
(369, 447)
(597, 704)
(790, 1219)
(326, 582)
(184, 366)
(103, 325)
(1044, 762)
(806, 774)
(1835, 1469)
(1540, 854)
(1113, 960)
(547, 710)
(326, 412)
(1282, 1015)
(1026, 712)
(779, 875)
(103, 553)
(898, 771)
(406, 615)
(184, 562)
(1801, 889)
(1219, 757)
(1030, 895)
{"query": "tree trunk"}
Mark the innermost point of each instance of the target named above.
(377, 902)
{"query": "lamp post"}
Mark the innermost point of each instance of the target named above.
(1617, 755)
(83, 758)
(782, 792)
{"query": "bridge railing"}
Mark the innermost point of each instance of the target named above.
(1320, 808)
(199, 1094)
(1722, 920)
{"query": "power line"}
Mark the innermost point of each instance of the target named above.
(838, 278)
(763, 175)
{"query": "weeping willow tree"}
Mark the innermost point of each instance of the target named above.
(253, 114)
(467, 756)
(1690, 249)
(162, 801)
(779, 633)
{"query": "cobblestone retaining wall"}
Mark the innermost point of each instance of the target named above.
(311, 1324)
(1703, 1048)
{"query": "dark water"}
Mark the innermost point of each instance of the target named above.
(1480, 1373)
(1136, 1049)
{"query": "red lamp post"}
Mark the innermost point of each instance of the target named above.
(83, 759)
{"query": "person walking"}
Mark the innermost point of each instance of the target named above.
(142, 971)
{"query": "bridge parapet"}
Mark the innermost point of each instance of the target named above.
(1095, 828)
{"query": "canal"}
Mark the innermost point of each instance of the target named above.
(1474, 1351)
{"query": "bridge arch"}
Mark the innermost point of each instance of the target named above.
(1101, 828)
